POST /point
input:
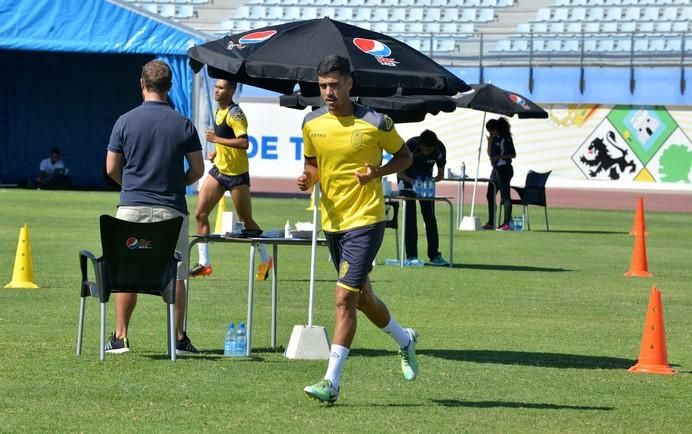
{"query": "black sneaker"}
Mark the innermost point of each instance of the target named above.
(117, 345)
(184, 346)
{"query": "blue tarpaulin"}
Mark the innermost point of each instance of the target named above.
(68, 69)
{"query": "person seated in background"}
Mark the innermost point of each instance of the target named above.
(52, 172)
(427, 151)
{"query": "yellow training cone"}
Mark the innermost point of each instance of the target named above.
(220, 209)
(23, 274)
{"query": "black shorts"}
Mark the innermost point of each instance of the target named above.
(230, 181)
(353, 252)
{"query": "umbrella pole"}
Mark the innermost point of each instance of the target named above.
(210, 107)
(313, 252)
(310, 342)
(478, 167)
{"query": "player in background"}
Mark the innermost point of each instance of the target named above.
(230, 172)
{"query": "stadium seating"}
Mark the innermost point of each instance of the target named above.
(440, 26)
(412, 20)
(616, 27)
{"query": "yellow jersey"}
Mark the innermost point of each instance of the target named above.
(343, 145)
(230, 123)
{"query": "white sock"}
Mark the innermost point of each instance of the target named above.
(264, 254)
(203, 253)
(337, 359)
(397, 333)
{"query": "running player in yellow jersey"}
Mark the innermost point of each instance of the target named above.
(343, 151)
(230, 172)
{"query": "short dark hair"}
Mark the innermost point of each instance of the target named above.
(157, 76)
(55, 151)
(503, 127)
(428, 139)
(334, 63)
(491, 125)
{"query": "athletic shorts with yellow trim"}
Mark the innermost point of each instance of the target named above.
(353, 252)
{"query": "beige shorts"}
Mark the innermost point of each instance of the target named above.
(148, 214)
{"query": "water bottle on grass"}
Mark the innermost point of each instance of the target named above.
(241, 340)
(229, 341)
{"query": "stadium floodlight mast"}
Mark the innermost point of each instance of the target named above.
(310, 342)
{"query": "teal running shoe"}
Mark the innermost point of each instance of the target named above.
(323, 391)
(439, 261)
(409, 363)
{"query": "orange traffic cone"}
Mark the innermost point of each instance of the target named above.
(653, 356)
(638, 225)
(639, 266)
(23, 273)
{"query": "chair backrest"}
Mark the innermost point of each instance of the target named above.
(391, 214)
(139, 257)
(534, 188)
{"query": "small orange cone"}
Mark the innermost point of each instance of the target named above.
(653, 356)
(23, 273)
(639, 225)
(639, 266)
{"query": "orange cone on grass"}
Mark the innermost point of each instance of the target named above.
(639, 225)
(639, 266)
(653, 355)
(23, 273)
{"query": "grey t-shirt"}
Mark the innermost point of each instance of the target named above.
(154, 139)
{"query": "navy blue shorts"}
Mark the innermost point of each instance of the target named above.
(353, 252)
(230, 181)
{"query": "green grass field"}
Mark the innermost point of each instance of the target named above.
(529, 332)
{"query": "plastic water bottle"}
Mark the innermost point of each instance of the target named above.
(414, 262)
(400, 186)
(463, 170)
(287, 230)
(519, 224)
(386, 187)
(418, 187)
(241, 340)
(392, 261)
(229, 341)
(432, 188)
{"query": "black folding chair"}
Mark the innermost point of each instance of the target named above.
(137, 258)
(533, 193)
(391, 220)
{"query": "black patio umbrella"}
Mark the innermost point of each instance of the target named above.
(490, 98)
(487, 97)
(401, 109)
(279, 57)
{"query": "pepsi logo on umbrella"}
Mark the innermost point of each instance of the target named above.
(516, 99)
(377, 49)
(252, 38)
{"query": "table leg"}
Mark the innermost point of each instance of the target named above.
(403, 233)
(187, 285)
(451, 233)
(250, 294)
(275, 273)
(460, 202)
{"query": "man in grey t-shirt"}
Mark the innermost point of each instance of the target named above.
(146, 154)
